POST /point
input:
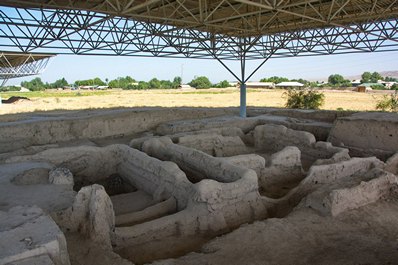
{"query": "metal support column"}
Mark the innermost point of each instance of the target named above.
(242, 110)
(243, 79)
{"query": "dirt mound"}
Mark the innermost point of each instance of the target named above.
(13, 100)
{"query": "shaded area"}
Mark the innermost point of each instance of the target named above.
(13, 100)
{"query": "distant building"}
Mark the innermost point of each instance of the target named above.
(185, 87)
(289, 85)
(87, 87)
(387, 84)
(356, 83)
(93, 87)
(366, 87)
(24, 89)
(260, 85)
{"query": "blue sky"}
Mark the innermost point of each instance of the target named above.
(75, 67)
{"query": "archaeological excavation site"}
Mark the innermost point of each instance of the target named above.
(199, 186)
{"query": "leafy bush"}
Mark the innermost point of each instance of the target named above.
(34, 85)
(368, 77)
(90, 82)
(378, 87)
(154, 83)
(131, 87)
(223, 84)
(275, 79)
(9, 88)
(200, 82)
(304, 99)
(389, 102)
(394, 87)
(337, 80)
(60, 83)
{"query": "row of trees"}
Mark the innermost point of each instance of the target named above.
(36, 84)
(127, 82)
(200, 82)
(279, 79)
(90, 82)
(366, 77)
(334, 80)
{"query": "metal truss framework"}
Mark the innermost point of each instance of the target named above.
(222, 29)
(14, 65)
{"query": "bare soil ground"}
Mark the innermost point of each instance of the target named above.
(229, 97)
(368, 235)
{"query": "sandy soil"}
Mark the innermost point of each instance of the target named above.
(191, 98)
(368, 235)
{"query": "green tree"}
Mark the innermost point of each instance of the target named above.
(35, 84)
(89, 82)
(154, 83)
(177, 81)
(59, 83)
(335, 79)
(113, 84)
(9, 88)
(223, 84)
(376, 77)
(200, 82)
(391, 79)
(314, 84)
(338, 81)
(366, 77)
(98, 82)
(275, 79)
(302, 81)
(378, 87)
(166, 84)
(143, 85)
(128, 79)
(122, 82)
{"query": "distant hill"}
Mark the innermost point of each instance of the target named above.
(384, 74)
(390, 73)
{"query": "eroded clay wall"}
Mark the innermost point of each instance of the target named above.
(367, 134)
(89, 162)
(159, 178)
(39, 130)
(162, 179)
(194, 162)
(273, 138)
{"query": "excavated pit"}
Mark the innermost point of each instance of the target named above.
(113, 184)
(176, 188)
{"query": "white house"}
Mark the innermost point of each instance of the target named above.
(185, 87)
(387, 84)
(289, 85)
(260, 85)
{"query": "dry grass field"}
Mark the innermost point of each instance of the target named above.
(73, 100)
